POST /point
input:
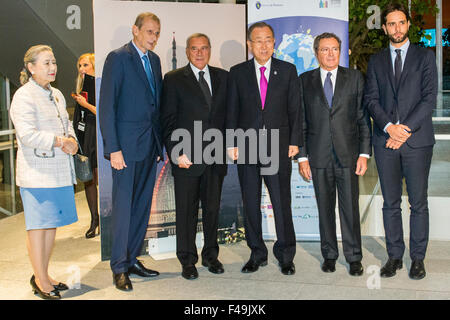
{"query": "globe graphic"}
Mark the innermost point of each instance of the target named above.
(298, 49)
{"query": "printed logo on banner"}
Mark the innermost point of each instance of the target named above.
(329, 3)
(258, 5)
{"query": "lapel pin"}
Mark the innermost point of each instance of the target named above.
(275, 72)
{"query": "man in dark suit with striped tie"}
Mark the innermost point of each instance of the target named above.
(400, 94)
(336, 147)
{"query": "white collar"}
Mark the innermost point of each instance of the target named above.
(403, 48)
(197, 70)
(267, 64)
(323, 72)
(47, 90)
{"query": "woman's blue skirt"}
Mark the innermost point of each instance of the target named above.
(48, 208)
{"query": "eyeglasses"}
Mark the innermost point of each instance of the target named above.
(259, 43)
(327, 50)
(195, 49)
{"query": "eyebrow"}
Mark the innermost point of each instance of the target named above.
(391, 22)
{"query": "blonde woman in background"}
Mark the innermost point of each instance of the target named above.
(45, 169)
(84, 124)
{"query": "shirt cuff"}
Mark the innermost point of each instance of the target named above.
(386, 126)
(303, 159)
(364, 155)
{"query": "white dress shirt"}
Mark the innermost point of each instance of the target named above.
(206, 75)
(323, 76)
(266, 72)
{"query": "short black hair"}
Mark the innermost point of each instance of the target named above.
(258, 25)
(394, 6)
(325, 35)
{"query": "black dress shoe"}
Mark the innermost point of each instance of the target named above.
(287, 268)
(189, 272)
(52, 295)
(417, 271)
(356, 268)
(252, 266)
(122, 281)
(329, 265)
(139, 269)
(213, 266)
(390, 268)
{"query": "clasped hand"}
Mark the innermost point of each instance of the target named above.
(398, 134)
(67, 145)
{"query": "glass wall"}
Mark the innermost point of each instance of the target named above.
(10, 202)
(439, 183)
(446, 58)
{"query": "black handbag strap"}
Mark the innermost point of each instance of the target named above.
(79, 147)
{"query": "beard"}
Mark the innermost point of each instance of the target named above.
(398, 40)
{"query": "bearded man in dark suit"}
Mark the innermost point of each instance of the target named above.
(400, 94)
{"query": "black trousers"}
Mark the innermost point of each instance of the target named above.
(188, 191)
(325, 182)
(414, 165)
(279, 186)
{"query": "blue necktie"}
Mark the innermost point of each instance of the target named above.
(328, 89)
(148, 71)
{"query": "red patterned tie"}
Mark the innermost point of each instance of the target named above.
(263, 86)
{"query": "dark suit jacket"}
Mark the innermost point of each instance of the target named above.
(128, 111)
(281, 109)
(345, 127)
(415, 97)
(183, 102)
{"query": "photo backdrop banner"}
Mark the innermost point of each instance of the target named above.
(225, 25)
(296, 24)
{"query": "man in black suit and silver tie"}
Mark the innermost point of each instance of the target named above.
(195, 95)
(400, 95)
(336, 147)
